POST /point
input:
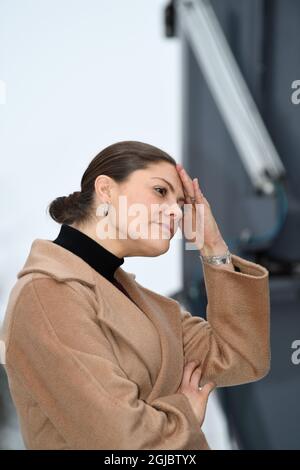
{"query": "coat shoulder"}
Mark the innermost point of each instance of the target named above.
(61, 303)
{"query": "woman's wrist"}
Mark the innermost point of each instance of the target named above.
(214, 249)
(217, 249)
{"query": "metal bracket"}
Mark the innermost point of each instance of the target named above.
(197, 20)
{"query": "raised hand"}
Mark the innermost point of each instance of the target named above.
(208, 234)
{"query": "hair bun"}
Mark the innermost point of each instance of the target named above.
(73, 197)
(66, 209)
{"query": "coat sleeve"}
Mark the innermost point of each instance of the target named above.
(233, 344)
(64, 360)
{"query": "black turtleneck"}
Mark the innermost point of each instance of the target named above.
(98, 257)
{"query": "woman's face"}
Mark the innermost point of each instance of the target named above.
(146, 209)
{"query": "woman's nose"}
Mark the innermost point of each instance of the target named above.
(174, 212)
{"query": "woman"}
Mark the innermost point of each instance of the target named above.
(97, 361)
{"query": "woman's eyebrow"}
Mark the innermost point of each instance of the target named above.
(182, 198)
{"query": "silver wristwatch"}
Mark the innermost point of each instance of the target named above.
(217, 259)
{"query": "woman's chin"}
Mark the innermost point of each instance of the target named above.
(151, 247)
(159, 246)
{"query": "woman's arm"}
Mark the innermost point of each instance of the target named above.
(233, 344)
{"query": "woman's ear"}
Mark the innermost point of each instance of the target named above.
(102, 187)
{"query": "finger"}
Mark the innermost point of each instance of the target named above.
(188, 370)
(195, 379)
(188, 186)
(199, 198)
(208, 388)
(199, 194)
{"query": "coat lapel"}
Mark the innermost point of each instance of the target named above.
(163, 313)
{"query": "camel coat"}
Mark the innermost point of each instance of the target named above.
(88, 368)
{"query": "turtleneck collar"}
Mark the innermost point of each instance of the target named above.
(98, 257)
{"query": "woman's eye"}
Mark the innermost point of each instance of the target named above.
(162, 189)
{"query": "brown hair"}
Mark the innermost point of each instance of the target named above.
(118, 161)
